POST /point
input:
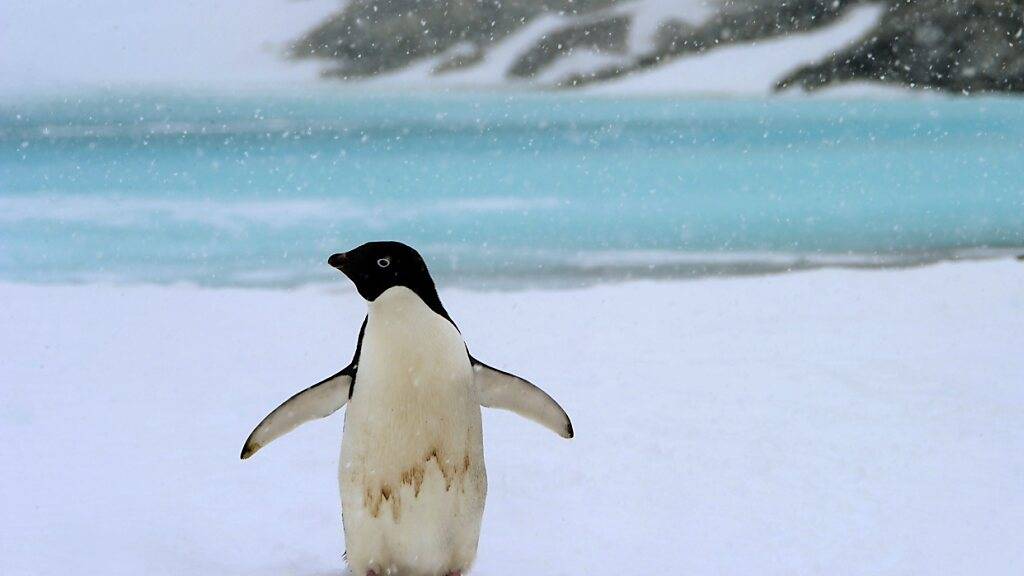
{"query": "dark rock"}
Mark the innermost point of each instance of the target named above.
(955, 45)
(603, 35)
(762, 19)
(671, 36)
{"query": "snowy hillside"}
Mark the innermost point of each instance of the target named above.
(744, 47)
(52, 45)
(964, 47)
(740, 69)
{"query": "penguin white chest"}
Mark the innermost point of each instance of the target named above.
(412, 472)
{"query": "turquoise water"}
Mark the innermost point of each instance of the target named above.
(259, 190)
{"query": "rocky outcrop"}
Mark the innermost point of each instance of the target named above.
(601, 35)
(369, 37)
(955, 45)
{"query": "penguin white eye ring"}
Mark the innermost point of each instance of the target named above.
(412, 487)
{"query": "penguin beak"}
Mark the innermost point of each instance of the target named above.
(338, 261)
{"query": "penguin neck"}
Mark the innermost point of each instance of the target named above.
(400, 298)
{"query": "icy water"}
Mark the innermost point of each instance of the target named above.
(499, 190)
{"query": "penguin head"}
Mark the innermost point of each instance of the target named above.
(376, 266)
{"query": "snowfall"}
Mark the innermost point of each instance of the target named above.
(833, 422)
(827, 422)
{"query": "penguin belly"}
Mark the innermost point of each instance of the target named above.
(412, 472)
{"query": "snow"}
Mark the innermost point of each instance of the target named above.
(748, 69)
(828, 422)
(868, 91)
(579, 61)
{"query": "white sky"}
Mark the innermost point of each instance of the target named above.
(54, 44)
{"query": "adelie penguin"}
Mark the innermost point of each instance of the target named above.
(412, 472)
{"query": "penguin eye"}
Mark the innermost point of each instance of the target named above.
(384, 262)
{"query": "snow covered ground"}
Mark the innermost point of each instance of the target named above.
(831, 422)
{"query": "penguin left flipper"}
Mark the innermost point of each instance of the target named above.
(498, 389)
(318, 401)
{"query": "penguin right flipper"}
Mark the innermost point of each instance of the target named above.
(499, 389)
(318, 401)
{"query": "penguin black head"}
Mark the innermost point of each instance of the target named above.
(376, 266)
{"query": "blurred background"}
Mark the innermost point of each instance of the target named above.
(517, 142)
(766, 253)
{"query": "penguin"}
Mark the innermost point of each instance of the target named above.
(411, 473)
